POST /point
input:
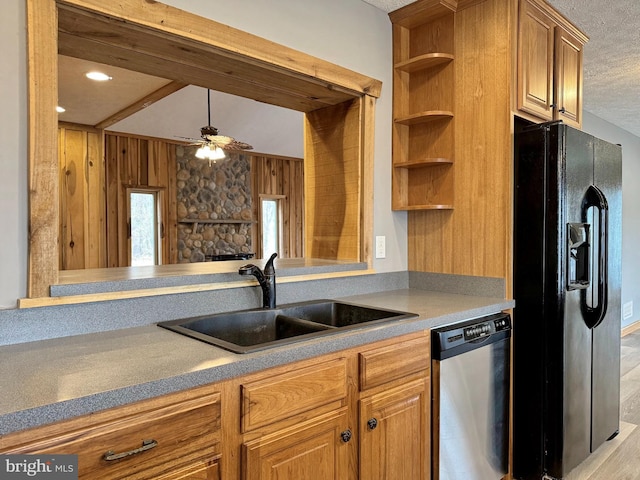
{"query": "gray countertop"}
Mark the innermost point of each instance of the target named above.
(57, 379)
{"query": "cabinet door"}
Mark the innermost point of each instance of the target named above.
(318, 449)
(395, 433)
(568, 77)
(535, 61)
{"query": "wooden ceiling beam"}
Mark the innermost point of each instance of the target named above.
(141, 104)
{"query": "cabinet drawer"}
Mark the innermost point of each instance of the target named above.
(382, 365)
(281, 396)
(182, 433)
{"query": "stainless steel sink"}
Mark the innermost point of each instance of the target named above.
(250, 330)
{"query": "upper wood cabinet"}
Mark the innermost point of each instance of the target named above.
(549, 79)
(454, 176)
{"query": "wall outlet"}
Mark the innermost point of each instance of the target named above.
(627, 310)
(381, 247)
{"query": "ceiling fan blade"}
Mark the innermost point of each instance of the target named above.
(235, 145)
(189, 138)
(220, 140)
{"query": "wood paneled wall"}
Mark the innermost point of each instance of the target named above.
(280, 176)
(96, 171)
(137, 162)
(82, 201)
(333, 170)
(475, 237)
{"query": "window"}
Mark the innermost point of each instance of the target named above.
(270, 224)
(144, 227)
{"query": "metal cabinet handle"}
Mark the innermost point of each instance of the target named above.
(346, 435)
(562, 110)
(372, 423)
(110, 456)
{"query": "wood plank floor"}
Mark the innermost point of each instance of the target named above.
(619, 459)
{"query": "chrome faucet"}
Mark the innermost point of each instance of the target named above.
(266, 278)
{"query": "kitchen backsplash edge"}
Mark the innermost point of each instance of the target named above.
(32, 324)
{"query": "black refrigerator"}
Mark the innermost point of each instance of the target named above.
(567, 282)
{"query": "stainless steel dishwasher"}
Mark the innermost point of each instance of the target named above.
(470, 399)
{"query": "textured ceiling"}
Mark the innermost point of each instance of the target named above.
(611, 58)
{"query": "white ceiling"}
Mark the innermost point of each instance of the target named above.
(611, 86)
(611, 58)
(88, 103)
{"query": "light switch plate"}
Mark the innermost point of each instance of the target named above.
(627, 310)
(381, 247)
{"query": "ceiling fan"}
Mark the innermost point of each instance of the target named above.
(212, 144)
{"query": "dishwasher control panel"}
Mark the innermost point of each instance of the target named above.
(483, 329)
(470, 332)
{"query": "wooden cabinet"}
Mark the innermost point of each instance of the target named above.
(361, 413)
(455, 176)
(169, 438)
(423, 98)
(296, 424)
(317, 449)
(394, 433)
(395, 411)
(549, 79)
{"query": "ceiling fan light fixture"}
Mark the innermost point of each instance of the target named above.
(205, 152)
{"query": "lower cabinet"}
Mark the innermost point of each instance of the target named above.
(172, 437)
(395, 413)
(315, 450)
(362, 413)
(394, 434)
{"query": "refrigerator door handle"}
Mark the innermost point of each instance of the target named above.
(594, 312)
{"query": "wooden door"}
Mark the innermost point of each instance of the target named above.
(82, 200)
(535, 61)
(314, 450)
(394, 433)
(568, 78)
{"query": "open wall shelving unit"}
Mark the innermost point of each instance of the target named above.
(423, 103)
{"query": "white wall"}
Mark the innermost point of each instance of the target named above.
(630, 202)
(350, 33)
(269, 129)
(13, 154)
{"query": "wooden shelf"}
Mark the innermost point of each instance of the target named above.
(427, 162)
(424, 83)
(424, 117)
(424, 207)
(424, 62)
(422, 11)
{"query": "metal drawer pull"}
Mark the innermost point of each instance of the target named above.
(146, 445)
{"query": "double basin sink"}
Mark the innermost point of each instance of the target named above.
(247, 331)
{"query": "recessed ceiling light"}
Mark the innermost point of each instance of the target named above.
(98, 76)
(60, 109)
